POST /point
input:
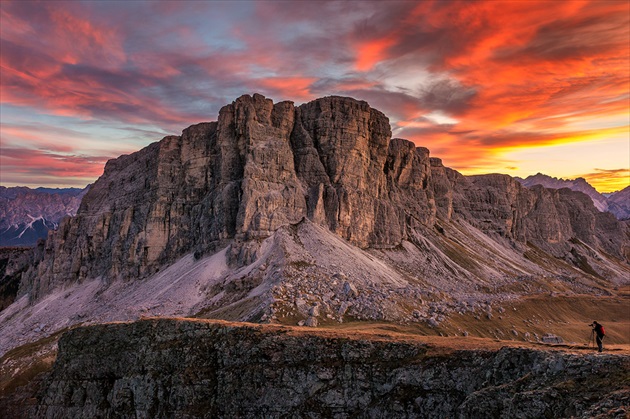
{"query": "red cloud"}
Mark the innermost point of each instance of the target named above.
(295, 87)
(534, 72)
(37, 167)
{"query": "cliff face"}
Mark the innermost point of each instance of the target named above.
(261, 166)
(617, 203)
(262, 175)
(194, 369)
(550, 218)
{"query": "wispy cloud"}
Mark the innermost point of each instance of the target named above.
(46, 168)
(608, 180)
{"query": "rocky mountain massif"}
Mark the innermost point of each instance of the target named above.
(26, 215)
(617, 203)
(308, 215)
(201, 369)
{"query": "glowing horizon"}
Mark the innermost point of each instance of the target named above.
(487, 86)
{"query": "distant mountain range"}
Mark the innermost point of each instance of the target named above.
(26, 215)
(617, 203)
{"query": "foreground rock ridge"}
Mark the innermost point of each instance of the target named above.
(200, 369)
(306, 214)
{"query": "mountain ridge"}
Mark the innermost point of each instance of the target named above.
(195, 368)
(317, 216)
(26, 215)
(617, 203)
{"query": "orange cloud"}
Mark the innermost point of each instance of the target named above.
(296, 87)
(544, 74)
(371, 52)
(480, 152)
(608, 180)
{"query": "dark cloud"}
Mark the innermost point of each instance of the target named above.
(599, 33)
(397, 105)
(448, 95)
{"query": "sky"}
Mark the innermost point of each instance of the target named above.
(516, 87)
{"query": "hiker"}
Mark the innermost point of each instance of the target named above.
(598, 329)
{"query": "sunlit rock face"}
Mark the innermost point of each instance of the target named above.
(263, 166)
(359, 183)
(550, 218)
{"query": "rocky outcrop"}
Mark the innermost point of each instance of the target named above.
(353, 175)
(26, 215)
(617, 203)
(263, 166)
(194, 369)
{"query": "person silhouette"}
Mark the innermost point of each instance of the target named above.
(598, 329)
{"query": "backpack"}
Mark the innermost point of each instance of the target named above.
(599, 329)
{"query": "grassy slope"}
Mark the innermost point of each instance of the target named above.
(567, 317)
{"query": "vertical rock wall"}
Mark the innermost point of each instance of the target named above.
(263, 165)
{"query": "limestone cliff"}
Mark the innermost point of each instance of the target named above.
(579, 184)
(263, 166)
(198, 369)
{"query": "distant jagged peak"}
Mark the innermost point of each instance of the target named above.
(542, 179)
(578, 184)
(619, 203)
(27, 214)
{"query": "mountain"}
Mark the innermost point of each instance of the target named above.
(26, 215)
(314, 215)
(619, 203)
(579, 184)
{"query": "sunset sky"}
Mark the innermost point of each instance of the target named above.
(515, 87)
